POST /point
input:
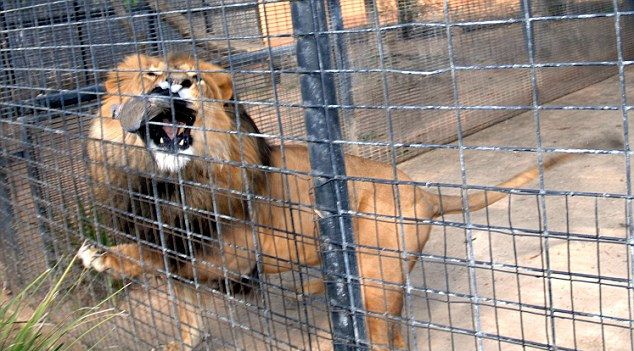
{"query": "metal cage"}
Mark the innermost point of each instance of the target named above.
(458, 94)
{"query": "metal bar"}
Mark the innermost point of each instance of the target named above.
(627, 146)
(476, 315)
(405, 16)
(8, 238)
(339, 264)
(69, 98)
(342, 64)
(529, 35)
(8, 76)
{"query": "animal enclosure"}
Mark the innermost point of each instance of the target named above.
(459, 95)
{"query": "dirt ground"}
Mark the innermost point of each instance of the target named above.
(24, 314)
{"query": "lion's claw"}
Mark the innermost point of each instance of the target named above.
(91, 257)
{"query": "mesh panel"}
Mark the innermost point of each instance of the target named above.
(460, 95)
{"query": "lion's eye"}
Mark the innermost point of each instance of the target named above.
(150, 74)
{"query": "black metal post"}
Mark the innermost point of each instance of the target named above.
(405, 16)
(327, 162)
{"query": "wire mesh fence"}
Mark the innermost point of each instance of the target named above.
(197, 146)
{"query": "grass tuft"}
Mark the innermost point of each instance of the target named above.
(39, 332)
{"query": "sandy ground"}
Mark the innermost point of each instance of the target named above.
(523, 291)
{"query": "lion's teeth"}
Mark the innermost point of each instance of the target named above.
(175, 88)
(161, 140)
(164, 85)
(185, 93)
(182, 142)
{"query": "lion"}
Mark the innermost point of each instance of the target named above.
(184, 174)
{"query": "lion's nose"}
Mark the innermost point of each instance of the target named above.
(175, 85)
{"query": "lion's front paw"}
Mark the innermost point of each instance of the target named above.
(91, 257)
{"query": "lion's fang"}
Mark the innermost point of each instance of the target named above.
(182, 142)
(161, 140)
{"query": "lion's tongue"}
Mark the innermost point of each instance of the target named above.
(171, 130)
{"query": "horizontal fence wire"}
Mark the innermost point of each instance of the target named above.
(174, 147)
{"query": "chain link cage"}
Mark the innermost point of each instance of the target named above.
(460, 95)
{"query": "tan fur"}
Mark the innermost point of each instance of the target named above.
(287, 236)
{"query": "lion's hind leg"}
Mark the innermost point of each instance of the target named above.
(189, 319)
(386, 254)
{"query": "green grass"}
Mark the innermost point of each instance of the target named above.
(39, 332)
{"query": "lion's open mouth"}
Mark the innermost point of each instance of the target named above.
(170, 129)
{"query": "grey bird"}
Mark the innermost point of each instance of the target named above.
(138, 110)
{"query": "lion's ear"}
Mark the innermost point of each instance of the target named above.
(225, 85)
(219, 82)
(124, 78)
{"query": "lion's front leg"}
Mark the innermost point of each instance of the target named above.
(122, 261)
(132, 260)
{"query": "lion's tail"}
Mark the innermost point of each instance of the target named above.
(446, 204)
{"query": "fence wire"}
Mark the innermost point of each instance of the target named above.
(436, 102)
